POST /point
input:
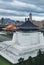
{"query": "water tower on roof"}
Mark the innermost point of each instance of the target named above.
(30, 16)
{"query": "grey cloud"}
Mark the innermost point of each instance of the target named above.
(7, 0)
(10, 14)
(39, 3)
(7, 6)
(14, 14)
(18, 8)
(32, 1)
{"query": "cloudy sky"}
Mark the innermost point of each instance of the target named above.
(19, 9)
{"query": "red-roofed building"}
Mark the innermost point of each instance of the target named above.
(10, 27)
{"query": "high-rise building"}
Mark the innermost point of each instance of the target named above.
(30, 16)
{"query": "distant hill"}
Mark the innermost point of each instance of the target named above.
(4, 21)
(8, 20)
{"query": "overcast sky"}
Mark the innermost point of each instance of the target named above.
(19, 9)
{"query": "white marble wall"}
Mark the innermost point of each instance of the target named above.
(26, 39)
(22, 45)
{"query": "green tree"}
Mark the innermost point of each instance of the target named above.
(39, 58)
(39, 53)
(20, 60)
(30, 60)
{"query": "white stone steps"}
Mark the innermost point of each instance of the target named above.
(9, 56)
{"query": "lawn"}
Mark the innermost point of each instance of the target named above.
(7, 35)
(4, 61)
